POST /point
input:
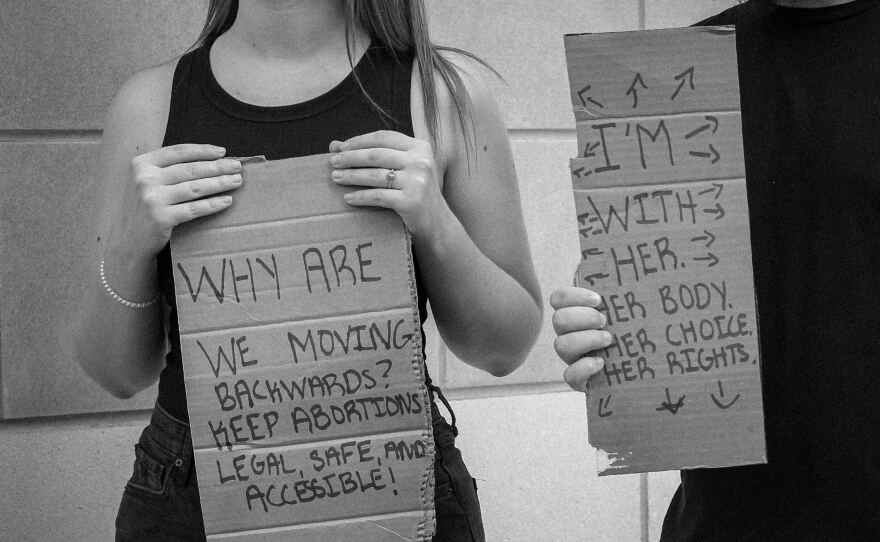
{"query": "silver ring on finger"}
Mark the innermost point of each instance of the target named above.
(390, 176)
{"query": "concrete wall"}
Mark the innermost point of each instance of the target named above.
(66, 447)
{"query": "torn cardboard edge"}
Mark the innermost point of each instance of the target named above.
(425, 527)
(599, 72)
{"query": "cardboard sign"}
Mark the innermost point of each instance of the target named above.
(299, 330)
(660, 193)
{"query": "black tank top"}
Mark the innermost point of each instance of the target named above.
(202, 112)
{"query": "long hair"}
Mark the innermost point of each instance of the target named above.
(399, 25)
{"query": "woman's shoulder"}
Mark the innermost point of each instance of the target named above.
(479, 83)
(140, 107)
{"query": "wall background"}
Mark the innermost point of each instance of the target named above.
(66, 446)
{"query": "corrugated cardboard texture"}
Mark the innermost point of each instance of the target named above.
(660, 195)
(303, 363)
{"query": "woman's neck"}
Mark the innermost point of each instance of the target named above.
(287, 29)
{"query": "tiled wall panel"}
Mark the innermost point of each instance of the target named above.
(522, 39)
(48, 203)
(64, 61)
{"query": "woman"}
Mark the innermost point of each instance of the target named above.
(292, 78)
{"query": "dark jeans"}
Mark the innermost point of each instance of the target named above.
(161, 500)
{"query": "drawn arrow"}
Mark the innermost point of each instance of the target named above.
(634, 91)
(709, 238)
(718, 403)
(590, 99)
(709, 258)
(591, 279)
(718, 211)
(685, 76)
(604, 411)
(577, 172)
(669, 405)
(713, 154)
(591, 252)
(582, 218)
(713, 124)
(589, 148)
(715, 186)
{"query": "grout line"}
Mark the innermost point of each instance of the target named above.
(50, 136)
(506, 390)
(519, 134)
(76, 421)
(643, 506)
(642, 15)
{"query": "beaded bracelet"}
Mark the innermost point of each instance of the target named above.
(119, 298)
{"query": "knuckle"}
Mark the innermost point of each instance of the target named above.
(150, 198)
(192, 209)
(195, 188)
(423, 163)
(191, 171)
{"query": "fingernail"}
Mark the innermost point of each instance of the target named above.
(235, 165)
(220, 150)
(236, 179)
(334, 160)
(347, 196)
(226, 200)
(604, 320)
(608, 337)
(336, 175)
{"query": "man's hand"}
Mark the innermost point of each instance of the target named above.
(579, 333)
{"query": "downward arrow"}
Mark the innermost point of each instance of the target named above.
(589, 148)
(604, 411)
(685, 76)
(669, 405)
(634, 91)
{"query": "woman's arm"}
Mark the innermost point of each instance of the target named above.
(466, 221)
(145, 190)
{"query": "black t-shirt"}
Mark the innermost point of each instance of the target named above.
(810, 88)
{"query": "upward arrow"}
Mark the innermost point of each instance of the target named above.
(686, 76)
(634, 91)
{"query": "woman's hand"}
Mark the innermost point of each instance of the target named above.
(171, 185)
(412, 190)
(578, 325)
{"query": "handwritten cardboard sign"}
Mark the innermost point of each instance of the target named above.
(303, 364)
(660, 193)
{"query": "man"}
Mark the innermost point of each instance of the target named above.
(810, 87)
